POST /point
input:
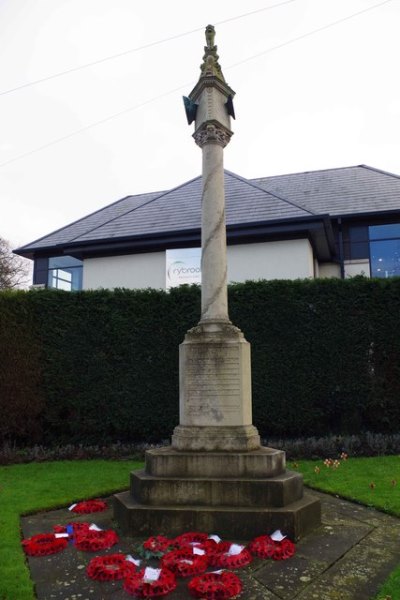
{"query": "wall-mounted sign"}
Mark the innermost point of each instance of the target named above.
(183, 266)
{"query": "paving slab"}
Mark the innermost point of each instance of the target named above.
(347, 558)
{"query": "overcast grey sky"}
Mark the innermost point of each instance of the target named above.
(329, 99)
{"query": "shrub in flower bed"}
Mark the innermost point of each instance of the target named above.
(367, 444)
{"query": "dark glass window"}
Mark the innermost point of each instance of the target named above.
(65, 273)
(385, 250)
(378, 243)
(356, 242)
(40, 271)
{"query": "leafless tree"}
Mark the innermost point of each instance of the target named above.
(13, 269)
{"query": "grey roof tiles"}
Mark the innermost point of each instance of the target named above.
(349, 190)
(175, 210)
(344, 191)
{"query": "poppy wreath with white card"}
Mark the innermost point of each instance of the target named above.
(186, 562)
(275, 546)
(150, 583)
(89, 506)
(234, 557)
(92, 541)
(110, 567)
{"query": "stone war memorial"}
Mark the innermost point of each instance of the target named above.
(215, 476)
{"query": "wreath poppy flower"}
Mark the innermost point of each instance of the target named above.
(229, 560)
(189, 538)
(184, 563)
(92, 541)
(262, 546)
(71, 528)
(110, 567)
(158, 543)
(216, 586)
(155, 547)
(284, 549)
(137, 584)
(89, 506)
(265, 547)
(44, 544)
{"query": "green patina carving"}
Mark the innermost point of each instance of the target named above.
(210, 65)
(210, 36)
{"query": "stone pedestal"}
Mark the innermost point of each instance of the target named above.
(215, 391)
(216, 477)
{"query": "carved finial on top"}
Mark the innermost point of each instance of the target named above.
(210, 36)
(210, 64)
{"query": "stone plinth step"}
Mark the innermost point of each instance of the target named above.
(277, 491)
(260, 463)
(239, 523)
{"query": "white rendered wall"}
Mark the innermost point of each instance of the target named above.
(328, 270)
(291, 259)
(129, 271)
(357, 267)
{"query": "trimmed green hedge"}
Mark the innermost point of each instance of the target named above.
(100, 366)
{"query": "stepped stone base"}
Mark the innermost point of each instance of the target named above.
(274, 491)
(237, 523)
(168, 462)
(238, 495)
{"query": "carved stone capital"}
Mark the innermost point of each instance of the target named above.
(212, 133)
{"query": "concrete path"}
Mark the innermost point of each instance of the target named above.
(347, 558)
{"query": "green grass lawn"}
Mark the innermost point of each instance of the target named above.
(44, 486)
(33, 487)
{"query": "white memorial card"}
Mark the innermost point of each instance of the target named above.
(277, 536)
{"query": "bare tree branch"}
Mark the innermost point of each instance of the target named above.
(14, 270)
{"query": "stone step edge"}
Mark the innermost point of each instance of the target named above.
(282, 477)
(130, 503)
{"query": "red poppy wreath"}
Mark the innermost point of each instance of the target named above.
(155, 547)
(265, 547)
(184, 563)
(72, 528)
(89, 506)
(216, 586)
(144, 586)
(110, 567)
(92, 541)
(190, 537)
(230, 559)
(44, 544)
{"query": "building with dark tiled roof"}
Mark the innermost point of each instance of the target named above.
(336, 222)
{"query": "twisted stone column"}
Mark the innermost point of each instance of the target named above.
(212, 138)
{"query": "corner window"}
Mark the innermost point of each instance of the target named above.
(385, 250)
(64, 273)
(380, 244)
